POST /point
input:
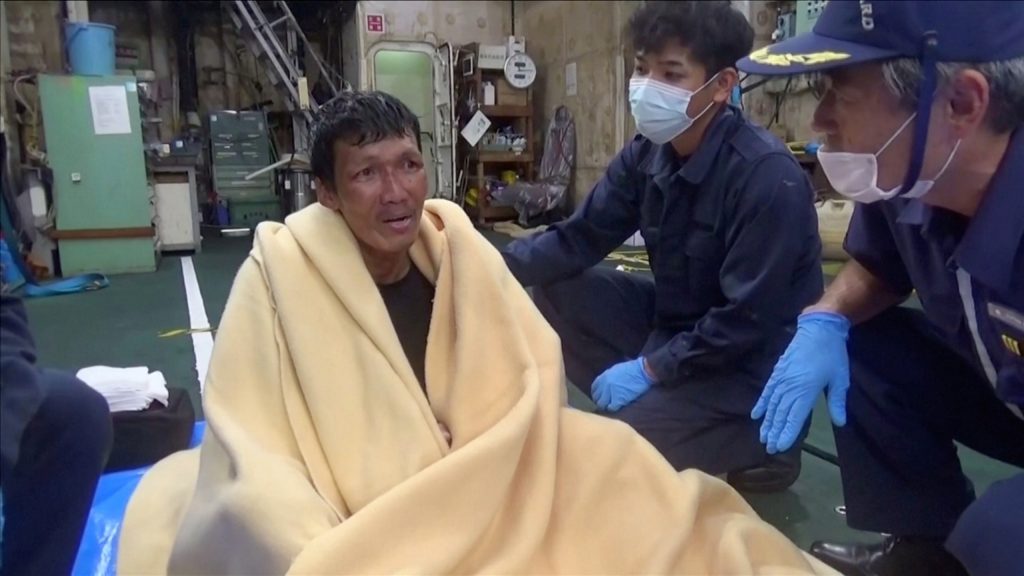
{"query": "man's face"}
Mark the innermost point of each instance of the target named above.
(674, 65)
(379, 189)
(858, 113)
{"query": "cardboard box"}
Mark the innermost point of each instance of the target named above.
(509, 96)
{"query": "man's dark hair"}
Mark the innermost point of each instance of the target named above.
(358, 118)
(715, 33)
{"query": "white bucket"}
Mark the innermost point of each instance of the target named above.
(833, 222)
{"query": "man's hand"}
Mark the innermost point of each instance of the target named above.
(445, 433)
(621, 384)
(816, 359)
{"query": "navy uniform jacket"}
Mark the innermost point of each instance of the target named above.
(969, 274)
(732, 238)
(20, 392)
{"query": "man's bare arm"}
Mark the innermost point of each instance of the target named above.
(857, 294)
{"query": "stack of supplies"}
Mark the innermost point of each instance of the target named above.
(126, 389)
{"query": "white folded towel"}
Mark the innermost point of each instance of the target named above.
(126, 389)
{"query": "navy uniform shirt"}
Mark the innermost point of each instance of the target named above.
(969, 274)
(732, 238)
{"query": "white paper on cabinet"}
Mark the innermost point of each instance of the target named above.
(109, 106)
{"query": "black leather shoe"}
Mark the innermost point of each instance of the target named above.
(775, 475)
(892, 557)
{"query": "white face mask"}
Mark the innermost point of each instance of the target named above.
(855, 175)
(660, 109)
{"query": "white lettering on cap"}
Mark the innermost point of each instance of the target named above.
(866, 20)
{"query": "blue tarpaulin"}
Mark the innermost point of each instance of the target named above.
(97, 555)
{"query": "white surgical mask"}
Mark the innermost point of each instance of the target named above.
(855, 175)
(660, 109)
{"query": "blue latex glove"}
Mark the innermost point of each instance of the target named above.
(621, 384)
(815, 360)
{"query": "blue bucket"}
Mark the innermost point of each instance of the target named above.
(90, 48)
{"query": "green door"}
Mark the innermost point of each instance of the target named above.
(99, 179)
(94, 147)
(409, 76)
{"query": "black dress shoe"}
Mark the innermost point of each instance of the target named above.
(891, 557)
(777, 473)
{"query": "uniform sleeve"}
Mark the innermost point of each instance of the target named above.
(609, 215)
(771, 246)
(20, 392)
(870, 242)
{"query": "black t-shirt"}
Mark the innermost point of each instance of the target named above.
(410, 302)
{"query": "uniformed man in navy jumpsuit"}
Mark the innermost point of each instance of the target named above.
(728, 220)
(922, 112)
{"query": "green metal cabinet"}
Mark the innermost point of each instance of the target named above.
(240, 145)
(101, 192)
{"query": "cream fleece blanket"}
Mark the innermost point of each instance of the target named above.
(323, 456)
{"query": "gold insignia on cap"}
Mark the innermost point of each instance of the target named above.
(764, 56)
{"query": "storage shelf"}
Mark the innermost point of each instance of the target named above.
(510, 107)
(490, 214)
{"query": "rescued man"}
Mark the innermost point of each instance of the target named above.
(729, 225)
(353, 331)
(922, 112)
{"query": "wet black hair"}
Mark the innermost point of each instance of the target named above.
(358, 118)
(715, 33)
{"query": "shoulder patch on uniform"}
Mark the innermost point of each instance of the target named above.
(1012, 344)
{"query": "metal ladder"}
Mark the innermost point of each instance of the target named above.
(276, 43)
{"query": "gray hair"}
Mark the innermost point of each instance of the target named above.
(1005, 79)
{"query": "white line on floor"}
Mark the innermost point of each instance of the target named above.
(202, 342)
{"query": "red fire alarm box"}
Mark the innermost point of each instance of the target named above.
(375, 23)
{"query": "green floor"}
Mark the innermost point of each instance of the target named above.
(121, 326)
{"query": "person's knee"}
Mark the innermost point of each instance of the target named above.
(555, 295)
(655, 415)
(76, 414)
(887, 354)
(558, 301)
(986, 539)
(542, 299)
(586, 293)
(874, 337)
